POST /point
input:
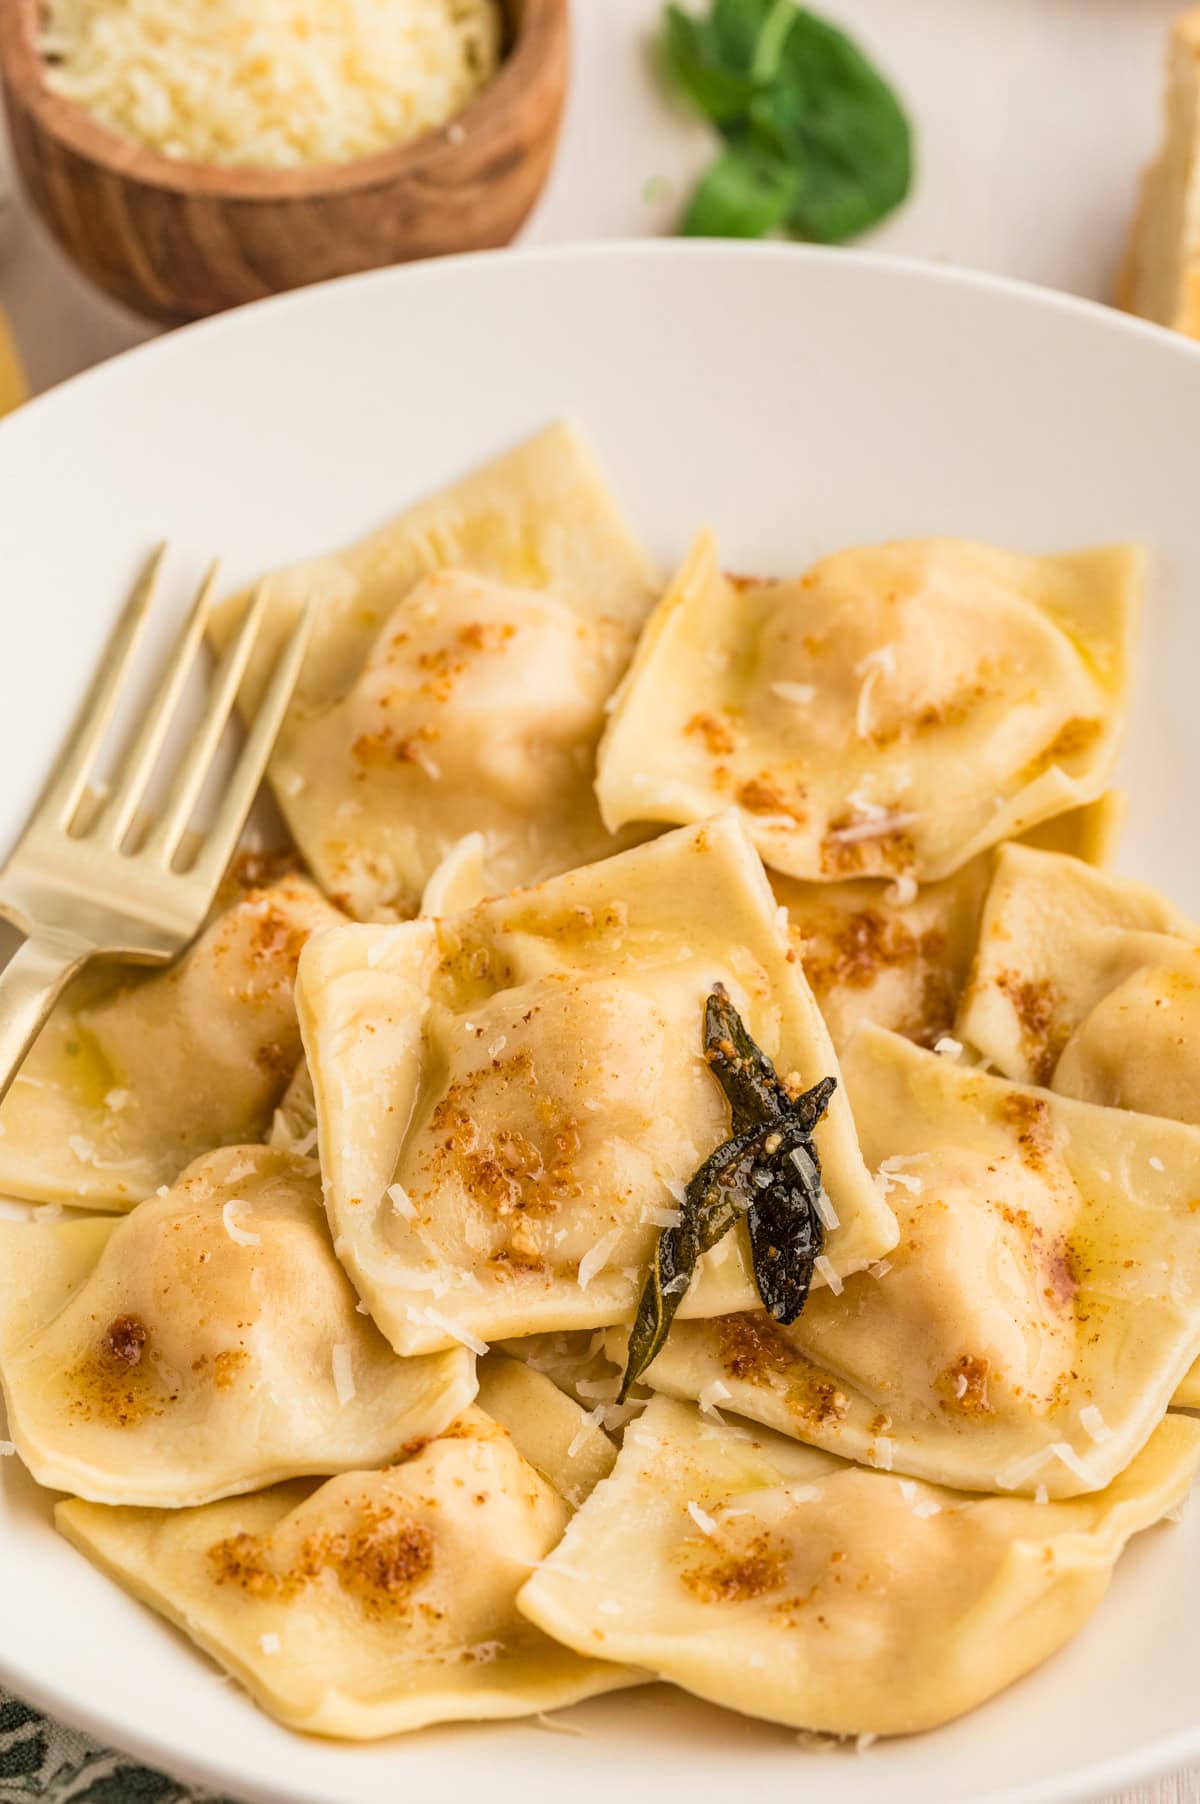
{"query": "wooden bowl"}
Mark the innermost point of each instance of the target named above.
(176, 240)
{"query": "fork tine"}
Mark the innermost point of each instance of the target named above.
(68, 780)
(114, 821)
(244, 783)
(163, 840)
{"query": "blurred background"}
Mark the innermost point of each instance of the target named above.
(1034, 119)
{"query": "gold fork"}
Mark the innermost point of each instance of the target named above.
(80, 887)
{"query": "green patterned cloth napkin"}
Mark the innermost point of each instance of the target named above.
(41, 1760)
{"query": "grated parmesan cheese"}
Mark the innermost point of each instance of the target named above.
(704, 1522)
(597, 1257)
(1093, 1424)
(343, 1374)
(274, 85)
(799, 694)
(433, 1318)
(1063, 1450)
(825, 1266)
(901, 892)
(1016, 1473)
(241, 1237)
(824, 1208)
(876, 826)
(813, 1743)
(583, 1434)
(7, 1449)
(717, 1391)
(890, 1173)
(401, 1202)
(270, 1644)
(559, 1725)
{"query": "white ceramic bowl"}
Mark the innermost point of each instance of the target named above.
(799, 400)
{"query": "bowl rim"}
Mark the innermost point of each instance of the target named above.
(536, 56)
(1100, 1777)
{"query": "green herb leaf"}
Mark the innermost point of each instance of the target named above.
(745, 193)
(717, 1196)
(768, 1172)
(842, 129)
(744, 34)
(817, 140)
(787, 1236)
(713, 82)
(742, 1068)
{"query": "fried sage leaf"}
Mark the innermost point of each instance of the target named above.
(768, 1171)
(712, 1203)
(741, 1067)
(784, 1222)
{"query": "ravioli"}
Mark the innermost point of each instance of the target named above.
(1030, 1327)
(872, 952)
(893, 712)
(456, 681)
(374, 1603)
(575, 1361)
(510, 1101)
(1089, 984)
(128, 1082)
(558, 1438)
(207, 1344)
(294, 1124)
(779, 1581)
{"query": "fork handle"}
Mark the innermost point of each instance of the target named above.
(30, 984)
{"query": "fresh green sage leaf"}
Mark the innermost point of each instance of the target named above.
(817, 142)
(840, 125)
(745, 193)
(743, 33)
(713, 83)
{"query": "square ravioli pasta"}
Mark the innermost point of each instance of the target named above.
(1032, 1323)
(1089, 984)
(134, 1077)
(374, 1603)
(893, 712)
(456, 679)
(779, 1581)
(899, 954)
(510, 1101)
(207, 1344)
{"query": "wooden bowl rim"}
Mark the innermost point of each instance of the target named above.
(540, 38)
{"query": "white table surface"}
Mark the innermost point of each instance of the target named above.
(1035, 117)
